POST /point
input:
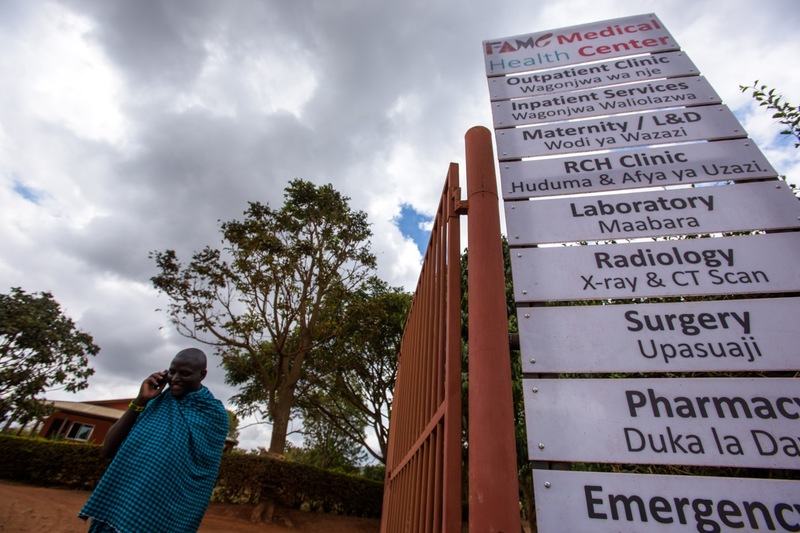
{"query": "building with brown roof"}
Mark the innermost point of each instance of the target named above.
(89, 421)
(83, 421)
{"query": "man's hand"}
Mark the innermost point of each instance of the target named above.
(151, 387)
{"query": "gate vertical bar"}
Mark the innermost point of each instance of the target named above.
(493, 485)
(451, 518)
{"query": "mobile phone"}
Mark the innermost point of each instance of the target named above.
(164, 380)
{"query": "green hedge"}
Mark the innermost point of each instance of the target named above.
(243, 478)
(47, 462)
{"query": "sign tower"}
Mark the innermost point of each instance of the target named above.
(650, 241)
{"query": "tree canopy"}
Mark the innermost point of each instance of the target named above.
(324, 446)
(40, 350)
(351, 389)
(271, 294)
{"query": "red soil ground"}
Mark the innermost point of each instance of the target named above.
(24, 508)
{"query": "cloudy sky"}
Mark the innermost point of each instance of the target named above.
(131, 126)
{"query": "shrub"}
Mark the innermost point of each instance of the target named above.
(246, 478)
(243, 478)
(47, 462)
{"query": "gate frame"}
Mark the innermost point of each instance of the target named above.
(493, 476)
(422, 489)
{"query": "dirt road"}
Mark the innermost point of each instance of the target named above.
(24, 508)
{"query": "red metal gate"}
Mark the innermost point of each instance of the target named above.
(422, 492)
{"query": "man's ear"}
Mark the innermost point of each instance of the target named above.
(203, 374)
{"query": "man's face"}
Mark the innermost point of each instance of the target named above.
(185, 376)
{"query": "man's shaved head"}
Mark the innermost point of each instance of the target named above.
(194, 356)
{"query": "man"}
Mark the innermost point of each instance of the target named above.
(166, 452)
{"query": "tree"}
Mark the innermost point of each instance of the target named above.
(351, 389)
(233, 425)
(40, 349)
(785, 113)
(324, 446)
(271, 294)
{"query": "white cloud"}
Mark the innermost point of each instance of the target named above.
(399, 259)
(65, 76)
(246, 81)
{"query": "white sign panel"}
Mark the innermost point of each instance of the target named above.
(668, 65)
(740, 422)
(596, 502)
(714, 336)
(577, 44)
(727, 265)
(709, 122)
(742, 207)
(628, 169)
(604, 101)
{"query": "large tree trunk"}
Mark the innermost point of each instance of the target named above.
(281, 412)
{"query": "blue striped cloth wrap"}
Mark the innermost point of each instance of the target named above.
(163, 473)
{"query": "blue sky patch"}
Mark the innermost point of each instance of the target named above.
(783, 140)
(32, 195)
(414, 225)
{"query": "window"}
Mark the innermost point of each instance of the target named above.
(79, 431)
(55, 427)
